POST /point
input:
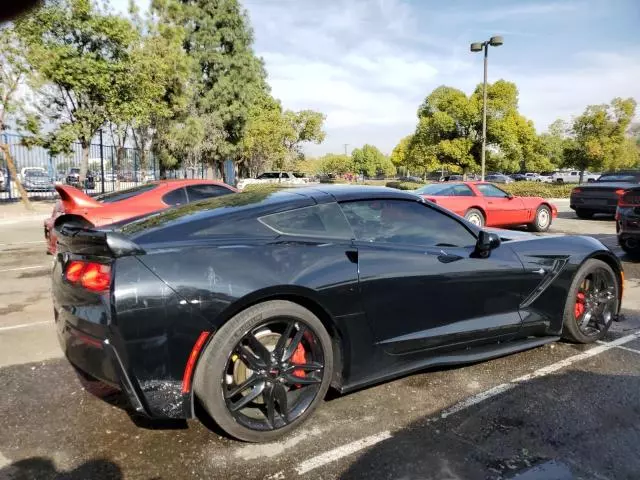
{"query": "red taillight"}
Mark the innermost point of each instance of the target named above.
(74, 271)
(95, 277)
(431, 199)
(629, 199)
(620, 192)
(576, 190)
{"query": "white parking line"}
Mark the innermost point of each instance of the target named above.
(341, 452)
(31, 267)
(350, 448)
(23, 325)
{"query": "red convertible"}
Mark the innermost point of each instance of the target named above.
(120, 206)
(483, 203)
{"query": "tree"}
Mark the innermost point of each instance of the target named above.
(13, 70)
(599, 140)
(81, 54)
(370, 161)
(305, 126)
(400, 152)
(335, 164)
(555, 141)
(227, 75)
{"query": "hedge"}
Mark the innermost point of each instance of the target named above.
(538, 189)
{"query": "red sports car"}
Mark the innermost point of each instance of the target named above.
(113, 207)
(483, 203)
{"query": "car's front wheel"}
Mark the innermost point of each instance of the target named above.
(475, 216)
(265, 371)
(592, 302)
(542, 220)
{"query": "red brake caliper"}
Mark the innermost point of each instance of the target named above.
(298, 358)
(579, 307)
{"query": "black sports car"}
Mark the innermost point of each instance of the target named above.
(602, 195)
(628, 221)
(256, 303)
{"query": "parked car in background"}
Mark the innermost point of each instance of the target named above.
(519, 177)
(602, 196)
(287, 178)
(78, 208)
(532, 177)
(628, 221)
(410, 179)
(482, 203)
(546, 177)
(573, 176)
(3, 180)
(37, 181)
(246, 302)
(73, 179)
(23, 172)
(498, 178)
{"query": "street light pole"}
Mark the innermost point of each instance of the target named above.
(495, 41)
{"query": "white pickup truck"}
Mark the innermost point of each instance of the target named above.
(285, 178)
(573, 176)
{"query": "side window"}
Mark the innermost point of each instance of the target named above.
(200, 192)
(574, 174)
(175, 197)
(489, 190)
(324, 220)
(462, 191)
(405, 222)
(284, 175)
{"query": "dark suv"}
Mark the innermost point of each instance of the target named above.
(73, 179)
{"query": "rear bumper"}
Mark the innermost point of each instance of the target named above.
(98, 358)
(596, 204)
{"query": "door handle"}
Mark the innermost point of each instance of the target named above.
(540, 271)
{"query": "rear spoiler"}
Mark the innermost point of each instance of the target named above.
(86, 241)
(73, 198)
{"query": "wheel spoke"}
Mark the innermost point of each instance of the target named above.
(280, 397)
(282, 341)
(248, 383)
(586, 318)
(606, 295)
(294, 343)
(310, 366)
(269, 401)
(255, 392)
(249, 358)
(291, 379)
(258, 348)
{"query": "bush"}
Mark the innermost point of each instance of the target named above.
(404, 185)
(537, 189)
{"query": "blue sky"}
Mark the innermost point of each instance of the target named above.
(368, 64)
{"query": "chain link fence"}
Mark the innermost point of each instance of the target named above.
(39, 171)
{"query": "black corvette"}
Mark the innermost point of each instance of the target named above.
(254, 304)
(628, 221)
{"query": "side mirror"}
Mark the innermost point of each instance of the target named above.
(509, 196)
(486, 242)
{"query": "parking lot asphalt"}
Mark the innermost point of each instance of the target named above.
(559, 411)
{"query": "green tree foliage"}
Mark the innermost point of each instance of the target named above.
(400, 151)
(305, 126)
(555, 141)
(370, 161)
(81, 54)
(449, 131)
(335, 164)
(227, 75)
(599, 137)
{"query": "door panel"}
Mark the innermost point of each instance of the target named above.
(439, 298)
(505, 211)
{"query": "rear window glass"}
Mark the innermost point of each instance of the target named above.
(200, 192)
(124, 194)
(325, 220)
(619, 177)
(176, 197)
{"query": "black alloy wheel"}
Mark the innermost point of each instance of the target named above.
(592, 303)
(265, 371)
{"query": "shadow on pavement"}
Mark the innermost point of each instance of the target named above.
(577, 424)
(37, 468)
(604, 217)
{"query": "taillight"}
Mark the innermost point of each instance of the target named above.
(93, 276)
(620, 192)
(431, 199)
(629, 199)
(576, 190)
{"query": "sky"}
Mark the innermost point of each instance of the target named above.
(368, 64)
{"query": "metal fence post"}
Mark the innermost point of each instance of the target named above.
(5, 139)
(101, 163)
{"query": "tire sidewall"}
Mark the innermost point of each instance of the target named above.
(536, 225)
(208, 376)
(570, 330)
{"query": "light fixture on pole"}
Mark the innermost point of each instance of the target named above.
(478, 47)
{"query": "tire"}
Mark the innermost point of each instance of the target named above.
(559, 180)
(212, 374)
(584, 214)
(542, 220)
(632, 251)
(475, 216)
(571, 329)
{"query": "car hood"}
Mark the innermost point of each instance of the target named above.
(607, 185)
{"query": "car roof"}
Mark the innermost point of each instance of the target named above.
(345, 192)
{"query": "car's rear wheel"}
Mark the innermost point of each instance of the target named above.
(631, 246)
(542, 220)
(265, 371)
(582, 213)
(475, 216)
(592, 302)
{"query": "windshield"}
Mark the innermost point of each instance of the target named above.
(37, 173)
(434, 189)
(619, 177)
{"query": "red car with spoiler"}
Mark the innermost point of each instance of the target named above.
(76, 207)
(484, 204)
